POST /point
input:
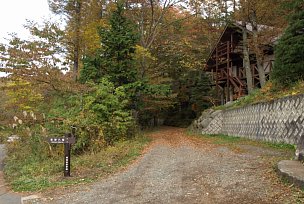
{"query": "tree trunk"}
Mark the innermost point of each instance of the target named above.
(76, 54)
(257, 50)
(76, 61)
(234, 5)
(246, 60)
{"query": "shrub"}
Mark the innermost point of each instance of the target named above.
(109, 107)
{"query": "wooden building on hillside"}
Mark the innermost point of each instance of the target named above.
(225, 63)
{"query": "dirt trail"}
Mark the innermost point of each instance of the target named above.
(177, 168)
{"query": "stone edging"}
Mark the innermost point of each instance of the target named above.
(293, 171)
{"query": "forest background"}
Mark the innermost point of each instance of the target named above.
(115, 68)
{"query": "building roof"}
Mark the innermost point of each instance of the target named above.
(237, 27)
(232, 25)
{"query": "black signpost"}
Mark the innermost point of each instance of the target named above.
(67, 140)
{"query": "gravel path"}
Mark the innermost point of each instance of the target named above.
(177, 168)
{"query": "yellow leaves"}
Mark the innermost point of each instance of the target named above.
(267, 87)
(295, 92)
(298, 88)
(270, 92)
(141, 52)
(17, 83)
(144, 59)
(22, 95)
(90, 36)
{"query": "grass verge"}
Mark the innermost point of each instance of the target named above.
(234, 142)
(30, 174)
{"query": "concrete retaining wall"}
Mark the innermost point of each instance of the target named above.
(281, 120)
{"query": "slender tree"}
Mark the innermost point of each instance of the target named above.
(257, 50)
(82, 18)
(72, 10)
(246, 59)
(266, 24)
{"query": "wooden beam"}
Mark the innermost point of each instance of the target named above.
(228, 74)
(216, 66)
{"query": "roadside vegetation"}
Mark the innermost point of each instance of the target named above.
(26, 171)
(34, 164)
(268, 93)
(117, 68)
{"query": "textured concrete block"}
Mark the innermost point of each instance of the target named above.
(293, 171)
(281, 120)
